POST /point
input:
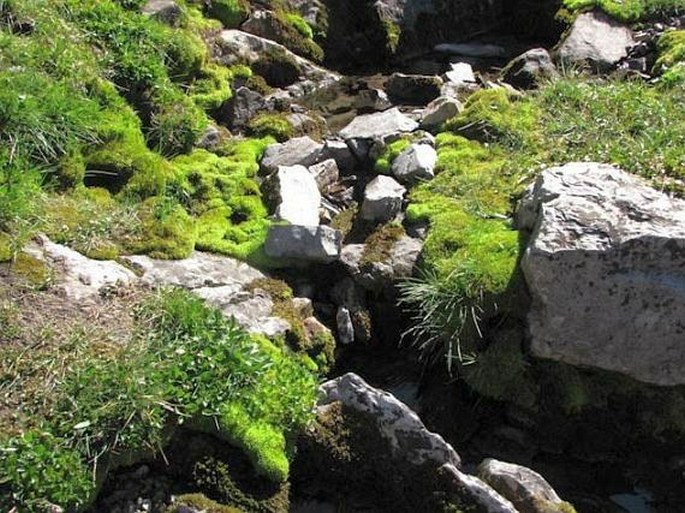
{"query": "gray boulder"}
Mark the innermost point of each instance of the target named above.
(477, 491)
(413, 89)
(166, 11)
(596, 40)
(293, 195)
(382, 199)
(397, 423)
(605, 266)
(525, 488)
(438, 111)
(300, 151)
(529, 68)
(414, 164)
(242, 107)
(305, 244)
(341, 153)
(381, 125)
(372, 99)
(343, 320)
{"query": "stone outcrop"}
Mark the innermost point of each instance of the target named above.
(413, 89)
(606, 269)
(76, 276)
(595, 40)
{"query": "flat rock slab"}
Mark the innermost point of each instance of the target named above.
(299, 151)
(597, 40)
(304, 244)
(379, 125)
(606, 269)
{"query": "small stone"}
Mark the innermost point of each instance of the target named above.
(345, 328)
(382, 199)
(319, 244)
(440, 110)
(294, 195)
(414, 164)
(530, 68)
(325, 173)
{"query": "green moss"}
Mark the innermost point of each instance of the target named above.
(36, 273)
(628, 10)
(384, 162)
(232, 13)
(671, 61)
(299, 24)
(167, 231)
(344, 221)
(271, 125)
(212, 87)
(393, 33)
(5, 247)
(378, 245)
(278, 68)
(496, 115)
(258, 84)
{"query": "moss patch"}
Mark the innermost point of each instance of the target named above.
(671, 61)
(628, 10)
(384, 162)
(379, 244)
(271, 125)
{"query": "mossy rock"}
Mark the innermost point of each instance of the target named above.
(393, 150)
(34, 271)
(5, 247)
(378, 246)
(274, 125)
(198, 501)
(278, 68)
(231, 13)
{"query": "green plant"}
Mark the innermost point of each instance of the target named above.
(300, 24)
(389, 154)
(229, 12)
(629, 10)
(274, 125)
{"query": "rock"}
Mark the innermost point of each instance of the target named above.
(318, 244)
(460, 73)
(166, 11)
(473, 49)
(381, 125)
(605, 266)
(372, 99)
(414, 164)
(307, 124)
(300, 151)
(238, 47)
(476, 491)
(197, 271)
(293, 194)
(404, 255)
(382, 199)
(210, 139)
(596, 40)
(343, 321)
(438, 111)
(77, 276)
(242, 107)
(526, 489)
(399, 425)
(413, 89)
(529, 68)
(325, 174)
(221, 281)
(341, 153)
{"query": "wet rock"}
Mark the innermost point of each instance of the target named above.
(319, 244)
(413, 89)
(526, 489)
(166, 11)
(77, 276)
(473, 49)
(595, 40)
(293, 194)
(400, 426)
(415, 164)
(343, 321)
(438, 111)
(325, 174)
(529, 68)
(382, 199)
(300, 151)
(605, 267)
(381, 125)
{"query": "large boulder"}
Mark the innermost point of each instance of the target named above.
(605, 265)
(300, 151)
(414, 164)
(530, 68)
(293, 195)
(525, 488)
(304, 244)
(382, 199)
(381, 125)
(596, 40)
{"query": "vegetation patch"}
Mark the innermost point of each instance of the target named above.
(671, 61)
(629, 10)
(378, 246)
(183, 363)
(271, 125)
(393, 150)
